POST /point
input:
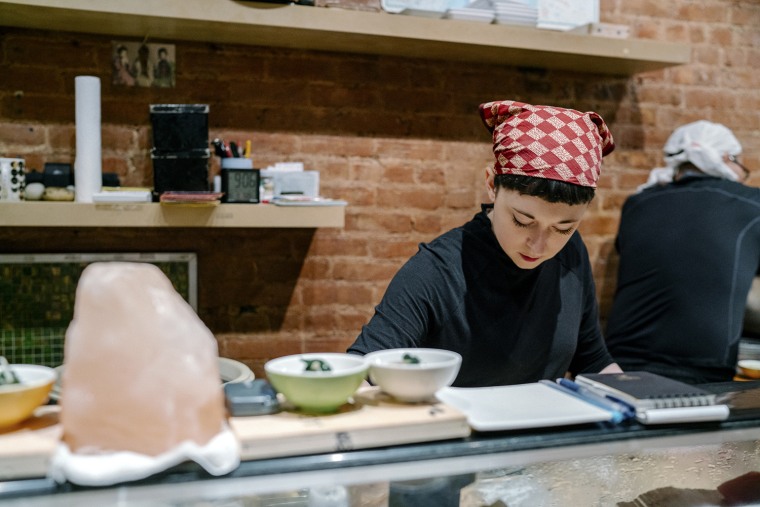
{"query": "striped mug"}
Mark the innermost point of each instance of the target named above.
(12, 179)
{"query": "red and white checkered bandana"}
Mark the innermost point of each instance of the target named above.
(547, 142)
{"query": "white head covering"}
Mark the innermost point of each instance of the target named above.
(702, 143)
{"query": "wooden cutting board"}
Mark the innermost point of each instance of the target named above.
(26, 448)
(373, 420)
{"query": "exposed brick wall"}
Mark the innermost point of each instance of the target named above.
(399, 138)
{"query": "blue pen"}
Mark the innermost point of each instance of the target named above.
(619, 411)
(616, 414)
(598, 399)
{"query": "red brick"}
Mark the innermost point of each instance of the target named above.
(393, 249)
(333, 244)
(705, 100)
(428, 224)
(598, 225)
(326, 344)
(115, 165)
(388, 222)
(408, 150)
(412, 198)
(398, 173)
(117, 138)
(315, 268)
(20, 134)
(358, 270)
(62, 137)
(464, 198)
(39, 108)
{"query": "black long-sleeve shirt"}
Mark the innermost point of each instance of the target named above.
(461, 292)
(688, 253)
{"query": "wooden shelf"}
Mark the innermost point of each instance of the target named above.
(70, 214)
(350, 31)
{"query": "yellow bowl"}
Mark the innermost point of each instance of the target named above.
(749, 368)
(18, 401)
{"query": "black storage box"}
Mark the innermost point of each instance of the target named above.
(186, 171)
(57, 174)
(179, 127)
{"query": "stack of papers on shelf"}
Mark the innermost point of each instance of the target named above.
(423, 13)
(303, 200)
(191, 198)
(427, 8)
(122, 196)
(567, 14)
(515, 12)
(483, 15)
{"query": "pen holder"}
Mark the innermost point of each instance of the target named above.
(237, 163)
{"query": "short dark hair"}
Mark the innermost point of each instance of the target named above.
(546, 189)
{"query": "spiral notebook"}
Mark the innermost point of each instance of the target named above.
(645, 391)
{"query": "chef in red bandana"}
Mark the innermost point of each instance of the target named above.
(512, 289)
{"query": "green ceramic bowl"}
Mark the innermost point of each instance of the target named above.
(317, 391)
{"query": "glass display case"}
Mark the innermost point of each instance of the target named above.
(596, 464)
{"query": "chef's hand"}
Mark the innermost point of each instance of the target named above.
(612, 368)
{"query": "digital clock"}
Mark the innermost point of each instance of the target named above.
(240, 185)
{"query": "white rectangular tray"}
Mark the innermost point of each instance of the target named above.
(520, 406)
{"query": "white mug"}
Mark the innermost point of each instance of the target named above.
(12, 179)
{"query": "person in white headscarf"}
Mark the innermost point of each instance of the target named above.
(710, 147)
(689, 245)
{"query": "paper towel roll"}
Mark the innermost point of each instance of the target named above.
(88, 174)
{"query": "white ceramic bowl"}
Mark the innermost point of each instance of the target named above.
(229, 369)
(317, 391)
(411, 382)
(234, 371)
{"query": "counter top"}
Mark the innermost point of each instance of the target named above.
(401, 462)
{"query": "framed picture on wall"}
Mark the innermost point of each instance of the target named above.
(143, 64)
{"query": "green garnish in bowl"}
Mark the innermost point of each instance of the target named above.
(7, 376)
(410, 359)
(316, 365)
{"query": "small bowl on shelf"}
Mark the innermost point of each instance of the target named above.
(230, 371)
(317, 382)
(413, 374)
(18, 401)
(749, 368)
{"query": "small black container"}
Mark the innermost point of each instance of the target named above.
(57, 175)
(179, 127)
(187, 171)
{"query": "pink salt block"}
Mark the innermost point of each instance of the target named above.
(142, 372)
